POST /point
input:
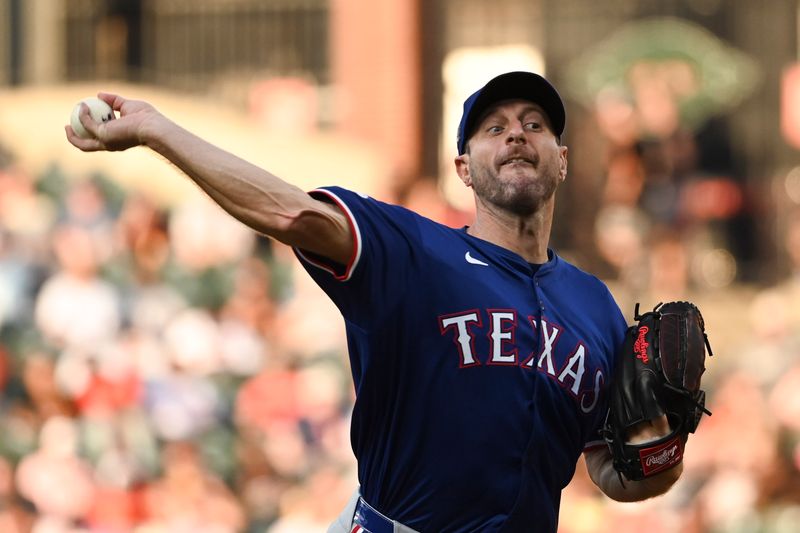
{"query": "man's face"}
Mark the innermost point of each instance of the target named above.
(513, 161)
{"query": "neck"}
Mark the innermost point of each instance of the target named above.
(527, 236)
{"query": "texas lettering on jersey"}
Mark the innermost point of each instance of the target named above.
(570, 371)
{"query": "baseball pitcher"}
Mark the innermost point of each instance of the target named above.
(484, 363)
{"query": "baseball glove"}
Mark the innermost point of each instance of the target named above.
(658, 373)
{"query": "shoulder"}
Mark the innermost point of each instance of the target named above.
(592, 291)
(378, 216)
(353, 200)
(584, 279)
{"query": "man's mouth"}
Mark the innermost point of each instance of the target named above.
(517, 161)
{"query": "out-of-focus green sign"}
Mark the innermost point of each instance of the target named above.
(653, 61)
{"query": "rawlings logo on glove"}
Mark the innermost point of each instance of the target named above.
(658, 374)
(641, 345)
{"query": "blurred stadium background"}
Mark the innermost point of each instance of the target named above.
(162, 369)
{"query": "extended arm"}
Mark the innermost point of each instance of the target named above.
(600, 465)
(257, 198)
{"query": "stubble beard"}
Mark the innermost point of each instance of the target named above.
(517, 192)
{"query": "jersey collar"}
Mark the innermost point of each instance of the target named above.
(513, 259)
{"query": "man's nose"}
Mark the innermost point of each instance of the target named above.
(515, 134)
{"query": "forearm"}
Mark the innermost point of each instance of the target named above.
(249, 193)
(601, 469)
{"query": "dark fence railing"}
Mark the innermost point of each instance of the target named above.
(190, 43)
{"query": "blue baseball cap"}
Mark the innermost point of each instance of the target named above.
(511, 85)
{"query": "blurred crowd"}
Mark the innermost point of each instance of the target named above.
(162, 369)
(165, 369)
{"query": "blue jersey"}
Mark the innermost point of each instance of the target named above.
(479, 378)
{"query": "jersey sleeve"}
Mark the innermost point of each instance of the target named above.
(385, 240)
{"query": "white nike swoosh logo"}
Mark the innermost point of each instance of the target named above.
(474, 261)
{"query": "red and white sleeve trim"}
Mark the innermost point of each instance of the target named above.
(354, 231)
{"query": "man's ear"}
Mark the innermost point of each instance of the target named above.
(562, 171)
(462, 169)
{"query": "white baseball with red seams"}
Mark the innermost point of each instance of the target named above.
(99, 111)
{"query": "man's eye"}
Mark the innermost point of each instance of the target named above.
(495, 129)
(533, 125)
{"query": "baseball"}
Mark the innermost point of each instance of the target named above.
(98, 109)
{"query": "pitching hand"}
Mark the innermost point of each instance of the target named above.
(122, 133)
